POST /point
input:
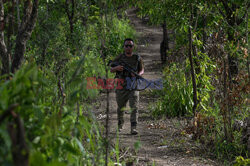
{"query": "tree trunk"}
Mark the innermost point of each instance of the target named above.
(10, 30)
(24, 33)
(18, 13)
(225, 94)
(164, 44)
(192, 65)
(19, 148)
(62, 95)
(247, 44)
(3, 49)
(248, 135)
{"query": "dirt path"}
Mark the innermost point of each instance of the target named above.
(160, 142)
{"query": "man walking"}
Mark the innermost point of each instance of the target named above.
(126, 94)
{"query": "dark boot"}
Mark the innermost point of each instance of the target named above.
(133, 129)
(120, 125)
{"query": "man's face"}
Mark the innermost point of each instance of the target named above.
(128, 47)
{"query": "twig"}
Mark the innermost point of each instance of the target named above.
(124, 153)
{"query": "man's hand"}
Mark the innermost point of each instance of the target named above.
(117, 68)
(141, 72)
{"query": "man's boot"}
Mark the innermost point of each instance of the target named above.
(120, 125)
(133, 129)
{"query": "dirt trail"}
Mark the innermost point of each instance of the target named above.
(160, 142)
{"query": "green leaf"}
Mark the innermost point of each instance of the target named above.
(36, 140)
(68, 147)
(80, 145)
(36, 159)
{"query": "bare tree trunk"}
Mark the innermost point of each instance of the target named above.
(18, 13)
(24, 32)
(19, 148)
(165, 43)
(229, 103)
(103, 53)
(192, 65)
(107, 123)
(247, 42)
(10, 30)
(3, 49)
(71, 14)
(225, 109)
(248, 134)
(61, 93)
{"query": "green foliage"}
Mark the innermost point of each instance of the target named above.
(228, 150)
(65, 58)
(54, 140)
(203, 80)
(240, 161)
(57, 84)
(119, 30)
(176, 95)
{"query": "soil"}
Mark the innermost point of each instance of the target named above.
(159, 142)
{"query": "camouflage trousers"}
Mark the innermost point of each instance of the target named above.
(122, 97)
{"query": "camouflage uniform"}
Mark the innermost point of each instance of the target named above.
(124, 95)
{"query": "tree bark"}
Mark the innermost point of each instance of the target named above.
(247, 45)
(24, 32)
(3, 49)
(18, 13)
(63, 96)
(10, 30)
(192, 65)
(225, 95)
(164, 44)
(19, 147)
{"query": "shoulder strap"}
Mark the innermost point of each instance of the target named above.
(138, 58)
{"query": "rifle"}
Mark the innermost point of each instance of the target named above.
(138, 79)
(126, 67)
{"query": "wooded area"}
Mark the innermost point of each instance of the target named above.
(49, 48)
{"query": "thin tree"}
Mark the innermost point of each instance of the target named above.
(24, 31)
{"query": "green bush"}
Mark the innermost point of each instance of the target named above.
(176, 95)
(51, 138)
